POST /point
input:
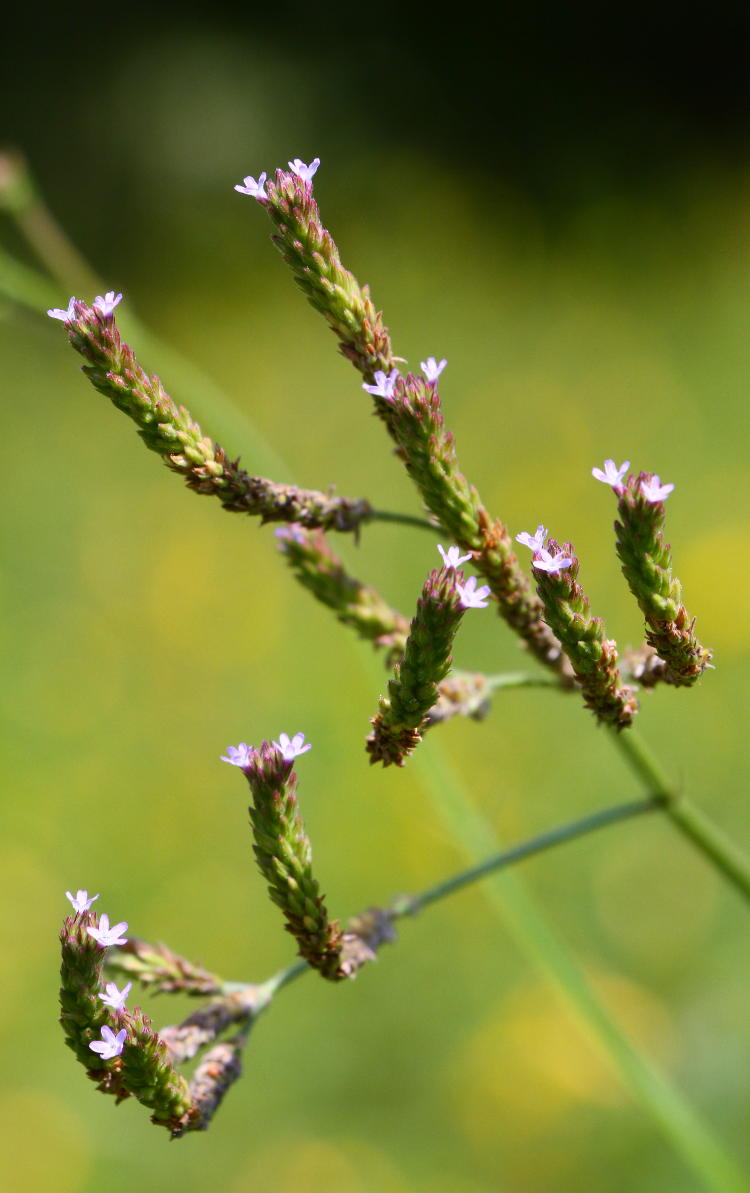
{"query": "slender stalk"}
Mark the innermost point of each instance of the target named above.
(524, 679)
(731, 863)
(403, 519)
(692, 1139)
(411, 904)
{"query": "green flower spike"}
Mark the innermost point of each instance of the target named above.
(355, 604)
(414, 689)
(284, 854)
(129, 1058)
(171, 432)
(593, 656)
(647, 566)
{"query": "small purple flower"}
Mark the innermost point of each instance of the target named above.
(653, 490)
(472, 597)
(115, 998)
(383, 387)
(611, 474)
(534, 541)
(110, 1044)
(451, 557)
(106, 305)
(302, 171)
(432, 369)
(546, 562)
(241, 755)
(292, 749)
(81, 901)
(65, 316)
(291, 533)
(255, 189)
(106, 936)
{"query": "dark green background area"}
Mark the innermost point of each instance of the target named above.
(558, 203)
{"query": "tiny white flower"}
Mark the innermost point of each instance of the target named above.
(384, 383)
(472, 597)
(106, 305)
(451, 557)
(240, 755)
(110, 1044)
(653, 490)
(611, 474)
(115, 998)
(534, 541)
(65, 316)
(81, 901)
(432, 369)
(255, 188)
(547, 562)
(291, 749)
(106, 936)
(302, 170)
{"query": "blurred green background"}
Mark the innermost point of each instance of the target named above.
(563, 214)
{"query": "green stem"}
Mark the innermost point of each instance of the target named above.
(403, 519)
(731, 863)
(523, 679)
(411, 904)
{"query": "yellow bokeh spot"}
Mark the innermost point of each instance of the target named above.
(299, 1165)
(44, 1146)
(715, 573)
(531, 1062)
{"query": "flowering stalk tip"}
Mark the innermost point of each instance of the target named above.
(414, 688)
(646, 560)
(592, 655)
(284, 855)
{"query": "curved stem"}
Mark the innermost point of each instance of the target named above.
(692, 823)
(403, 519)
(523, 679)
(411, 904)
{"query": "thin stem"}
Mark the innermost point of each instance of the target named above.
(403, 519)
(411, 904)
(523, 679)
(731, 862)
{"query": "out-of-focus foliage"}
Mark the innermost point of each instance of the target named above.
(143, 630)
